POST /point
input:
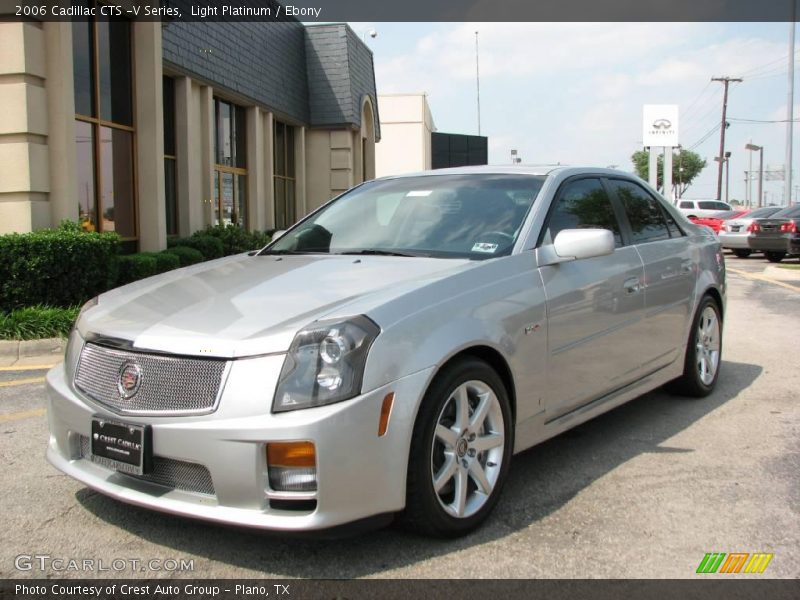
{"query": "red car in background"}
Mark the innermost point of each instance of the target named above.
(717, 222)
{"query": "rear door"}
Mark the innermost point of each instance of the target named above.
(668, 274)
(593, 305)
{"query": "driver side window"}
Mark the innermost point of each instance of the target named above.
(582, 204)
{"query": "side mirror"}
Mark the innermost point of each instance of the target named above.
(576, 244)
(277, 234)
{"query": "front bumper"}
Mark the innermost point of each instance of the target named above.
(359, 474)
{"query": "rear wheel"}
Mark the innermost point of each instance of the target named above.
(460, 451)
(742, 253)
(703, 353)
(774, 256)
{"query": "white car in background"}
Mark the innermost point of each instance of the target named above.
(703, 208)
(735, 232)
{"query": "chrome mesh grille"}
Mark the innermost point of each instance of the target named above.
(174, 474)
(169, 384)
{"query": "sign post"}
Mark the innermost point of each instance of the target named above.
(660, 130)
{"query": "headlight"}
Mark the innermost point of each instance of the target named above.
(325, 364)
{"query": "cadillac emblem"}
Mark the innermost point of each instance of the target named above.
(129, 380)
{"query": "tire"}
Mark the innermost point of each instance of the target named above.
(440, 448)
(742, 253)
(774, 256)
(703, 351)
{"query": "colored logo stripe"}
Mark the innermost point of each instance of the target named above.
(735, 562)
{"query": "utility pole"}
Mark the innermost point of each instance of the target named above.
(726, 82)
(478, 81)
(787, 179)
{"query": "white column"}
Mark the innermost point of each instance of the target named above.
(61, 122)
(149, 136)
(255, 169)
(668, 174)
(300, 171)
(207, 125)
(269, 171)
(188, 145)
(652, 176)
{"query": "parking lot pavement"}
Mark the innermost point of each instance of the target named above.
(644, 491)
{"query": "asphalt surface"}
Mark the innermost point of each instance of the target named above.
(641, 492)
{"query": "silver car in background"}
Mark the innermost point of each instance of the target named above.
(735, 232)
(389, 354)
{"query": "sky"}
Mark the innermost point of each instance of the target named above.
(573, 92)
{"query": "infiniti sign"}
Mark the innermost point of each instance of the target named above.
(660, 125)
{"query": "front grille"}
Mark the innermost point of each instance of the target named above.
(168, 384)
(167, 472)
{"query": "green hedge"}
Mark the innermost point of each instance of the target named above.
(133, 267)
(187, 256)
(37, 322)
(235, 240)
(209, 246)
(59, 268)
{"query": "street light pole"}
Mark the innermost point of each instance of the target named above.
(727, 176)
(753, 147)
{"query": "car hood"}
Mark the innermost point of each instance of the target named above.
(249, 305)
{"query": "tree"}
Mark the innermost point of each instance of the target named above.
(686, 166)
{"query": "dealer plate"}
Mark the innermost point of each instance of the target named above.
(121, 446)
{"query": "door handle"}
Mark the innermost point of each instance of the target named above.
(632, 285)
(686, 267)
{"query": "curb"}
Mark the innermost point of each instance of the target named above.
(21, 349)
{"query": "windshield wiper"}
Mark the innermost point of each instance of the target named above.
(281, 252)
(379, 252)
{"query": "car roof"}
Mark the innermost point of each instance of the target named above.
(539, 170)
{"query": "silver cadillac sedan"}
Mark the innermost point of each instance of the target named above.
(389, 354)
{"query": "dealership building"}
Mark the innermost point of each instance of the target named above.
(153, 130)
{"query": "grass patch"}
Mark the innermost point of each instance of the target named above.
(37, 322)
(790, 267)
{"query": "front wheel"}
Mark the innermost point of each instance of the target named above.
(703, 353)
(460, 451)
(742, 253)
(774, 256)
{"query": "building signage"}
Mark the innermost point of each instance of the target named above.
(660, 125)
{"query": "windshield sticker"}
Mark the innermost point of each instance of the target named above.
(484, 247)
(419, 193)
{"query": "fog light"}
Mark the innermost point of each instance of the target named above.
(292, 466)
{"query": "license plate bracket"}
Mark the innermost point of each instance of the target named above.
(122, 446)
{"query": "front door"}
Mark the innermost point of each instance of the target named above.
(593, 305)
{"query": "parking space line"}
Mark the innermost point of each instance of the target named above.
(25, 414)
(28, 381)
(757, 277)
(28, 368)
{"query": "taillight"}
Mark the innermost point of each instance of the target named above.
(753, 227)
(790, 227)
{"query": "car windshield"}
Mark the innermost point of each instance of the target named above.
(728, 214)
(475, 216)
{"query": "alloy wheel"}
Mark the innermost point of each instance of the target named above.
(468, 448)
(707, 342)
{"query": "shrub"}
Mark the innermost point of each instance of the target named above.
(186, 255)
(36, 322)
(235, 240)
(133, 267)
(209, 246)
(61, 268)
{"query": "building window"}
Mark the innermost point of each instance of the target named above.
(170, 179)
(284, 179)
(104, 128)
(230, 170)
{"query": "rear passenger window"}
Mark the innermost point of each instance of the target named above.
(644, 214)
(582, 204)
(687, 204)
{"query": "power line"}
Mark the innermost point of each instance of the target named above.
(706, 135)
(762, 121)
